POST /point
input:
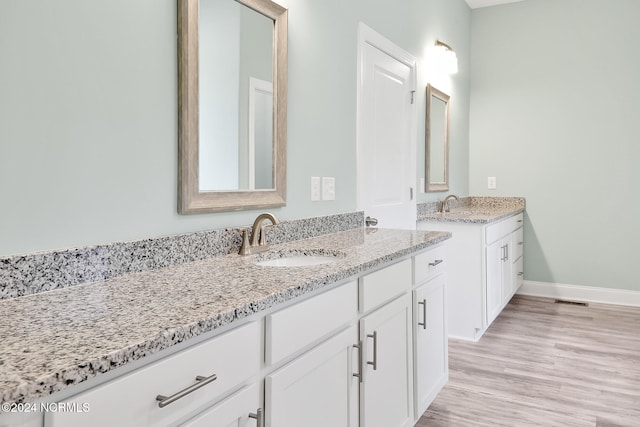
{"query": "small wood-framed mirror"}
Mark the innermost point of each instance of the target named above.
(232, 105)
(437, 141)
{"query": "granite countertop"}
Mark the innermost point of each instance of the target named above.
(54, 339)
(475, 210)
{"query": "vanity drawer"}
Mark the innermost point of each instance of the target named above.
(518, 273)
(302, 324)
(500, 229)
(428, 264)
(517, 221)
(383, 285)
(131, 399)
(518, 243)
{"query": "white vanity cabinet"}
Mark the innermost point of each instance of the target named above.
(356, 355)
(485, 269)
(431, 365)
(363, 375)
(503, 257)
(386, 398)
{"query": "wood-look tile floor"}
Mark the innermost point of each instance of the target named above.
(545, 364)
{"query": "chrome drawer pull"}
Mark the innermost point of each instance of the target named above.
(521, 274)
(258, 417)
(424, 314)
(436, 262)
(359, 374)
(375, 350)
(202, 381)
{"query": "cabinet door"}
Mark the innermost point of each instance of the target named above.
(387, 389)
(494, 261)
(430, 343)
(241, 409)
(318, 389)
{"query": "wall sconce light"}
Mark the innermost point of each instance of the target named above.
(446, 57)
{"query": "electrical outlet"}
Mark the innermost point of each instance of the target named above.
(491, 183)
(328, 188)
(315, 188)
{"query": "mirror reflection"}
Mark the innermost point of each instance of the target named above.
(437, 141)
(235, 97)
(232, 91)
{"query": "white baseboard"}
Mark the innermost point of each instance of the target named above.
(581, 293)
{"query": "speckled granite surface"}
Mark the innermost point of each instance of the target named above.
(32, 273)
(52, 340)
(477, 210)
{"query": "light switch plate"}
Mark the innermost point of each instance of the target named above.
(491, 183)
(315, 188)
(328, 188)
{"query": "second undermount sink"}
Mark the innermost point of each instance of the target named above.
(300, 258)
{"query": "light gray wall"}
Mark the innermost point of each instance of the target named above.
(88, 113)
(555, 98)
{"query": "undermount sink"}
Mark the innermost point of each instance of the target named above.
(463, 213)
(300, 258)
(455, 213)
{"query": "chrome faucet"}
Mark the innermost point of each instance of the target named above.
(258, 236)
(444, 207)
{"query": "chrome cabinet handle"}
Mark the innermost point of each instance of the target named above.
(519, 220)
(375, 350)
(202, 381)
(258, 417)
(520, 243)
(502, 257)
(424, 314)
(506, 247)
(436, 262)
(521, 273)
(370, 222)
(359, 374)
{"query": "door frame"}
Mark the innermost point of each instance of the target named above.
(368, 36)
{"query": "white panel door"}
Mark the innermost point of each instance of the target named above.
(495, 254)
(318, 389)
(387, 389)
(430, 343)
(386, 132)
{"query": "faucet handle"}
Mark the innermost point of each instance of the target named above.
(262, 241)
(245, 247)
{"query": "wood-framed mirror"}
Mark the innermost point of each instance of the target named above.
(232, 105)
(437, 141)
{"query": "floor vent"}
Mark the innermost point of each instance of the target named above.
(564, 301)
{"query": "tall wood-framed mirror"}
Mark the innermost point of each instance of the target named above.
(437, 141)
(232, 105)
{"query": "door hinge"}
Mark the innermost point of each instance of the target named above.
(413, 92)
